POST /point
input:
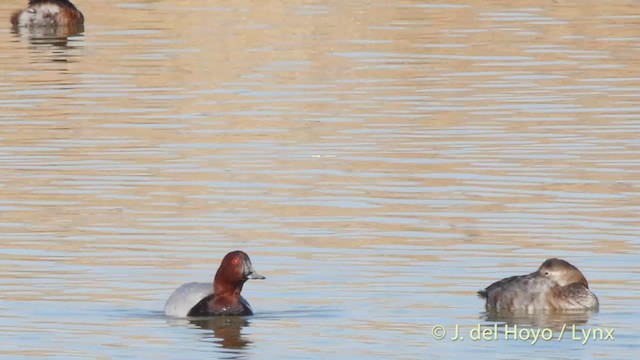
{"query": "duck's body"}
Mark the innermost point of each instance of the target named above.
(207, 306)
(223, 298)
(556, 285)
(186, 297)
(48, 13)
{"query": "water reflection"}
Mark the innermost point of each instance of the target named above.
(227, 330)
(543, 319)
(57, 36)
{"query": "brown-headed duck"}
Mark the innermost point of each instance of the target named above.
(223, 298)
(48, 13)
(556, 285)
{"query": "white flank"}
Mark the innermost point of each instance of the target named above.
(39, 15)
(185, 297)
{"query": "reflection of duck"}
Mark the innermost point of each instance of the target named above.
(547, 319)
(556, 285)
(48, 13)
(227, 330)
(57, 36)
(223, 298)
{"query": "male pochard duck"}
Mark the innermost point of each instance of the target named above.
(556, 285)
(223, 298)
(48, 13)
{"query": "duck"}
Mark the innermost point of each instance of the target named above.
(556, 285)
(223, 298)
(48, 13)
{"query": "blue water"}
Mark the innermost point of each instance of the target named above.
(379, 162)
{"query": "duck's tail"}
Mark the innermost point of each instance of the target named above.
(482, 294)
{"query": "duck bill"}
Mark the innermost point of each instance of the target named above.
(254, 275)
(249, 273)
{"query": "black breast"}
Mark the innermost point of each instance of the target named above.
(204, 308)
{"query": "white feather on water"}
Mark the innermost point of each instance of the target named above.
(185, 297)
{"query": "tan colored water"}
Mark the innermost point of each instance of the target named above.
(379, 162)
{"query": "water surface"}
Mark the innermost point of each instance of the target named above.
(379, 162)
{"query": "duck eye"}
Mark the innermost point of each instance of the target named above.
(546, 273)
(235, 261)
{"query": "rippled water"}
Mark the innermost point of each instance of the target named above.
(379, 162)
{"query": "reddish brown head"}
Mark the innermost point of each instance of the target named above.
(57, 2)
(234, 270)
(48, 13)
(562, 272)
